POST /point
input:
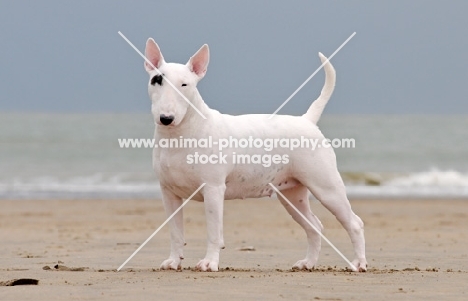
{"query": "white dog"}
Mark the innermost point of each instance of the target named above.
(305, 171)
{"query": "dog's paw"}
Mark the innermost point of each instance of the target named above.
(206, 265)
(171, 264)
(360, 264)
(304, 264)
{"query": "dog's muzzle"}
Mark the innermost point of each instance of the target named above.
(166, 120)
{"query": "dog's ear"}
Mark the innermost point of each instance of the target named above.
(199, 61)
(153, 54)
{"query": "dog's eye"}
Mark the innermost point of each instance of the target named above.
(184, 85)
(157, 79)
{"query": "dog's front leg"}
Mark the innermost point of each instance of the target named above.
(214, 204)
(171, 203)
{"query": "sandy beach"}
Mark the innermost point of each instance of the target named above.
(416, 250)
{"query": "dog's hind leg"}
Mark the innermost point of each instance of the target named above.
(298, 196)
(171, 203)
(330, 190)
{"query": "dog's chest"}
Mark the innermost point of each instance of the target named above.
(173, 170)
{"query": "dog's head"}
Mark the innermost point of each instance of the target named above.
(169, 83)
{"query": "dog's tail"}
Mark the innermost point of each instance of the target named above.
(316, 109)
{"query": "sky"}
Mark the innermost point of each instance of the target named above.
(407, 57)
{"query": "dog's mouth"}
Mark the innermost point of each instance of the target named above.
(158, 123)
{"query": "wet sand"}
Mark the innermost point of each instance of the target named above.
(416, 250)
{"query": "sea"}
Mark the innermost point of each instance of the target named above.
(77, 156)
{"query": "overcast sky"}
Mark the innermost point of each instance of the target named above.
(407, 56)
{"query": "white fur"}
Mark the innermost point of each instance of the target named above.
(313, 171)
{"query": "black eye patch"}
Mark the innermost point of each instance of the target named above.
(157, 79)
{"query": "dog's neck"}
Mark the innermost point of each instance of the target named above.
(192, 122)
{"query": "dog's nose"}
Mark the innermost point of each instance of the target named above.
(166, 120)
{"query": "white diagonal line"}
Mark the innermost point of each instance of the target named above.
(160, 227)
(313, 227)
(151, 64)
(313, 74)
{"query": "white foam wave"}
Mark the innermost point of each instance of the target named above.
(431, 178)
(431, 184)
(99, 185)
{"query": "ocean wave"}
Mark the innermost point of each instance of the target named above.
(431, 178)
(100, 185)
(430, 184)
